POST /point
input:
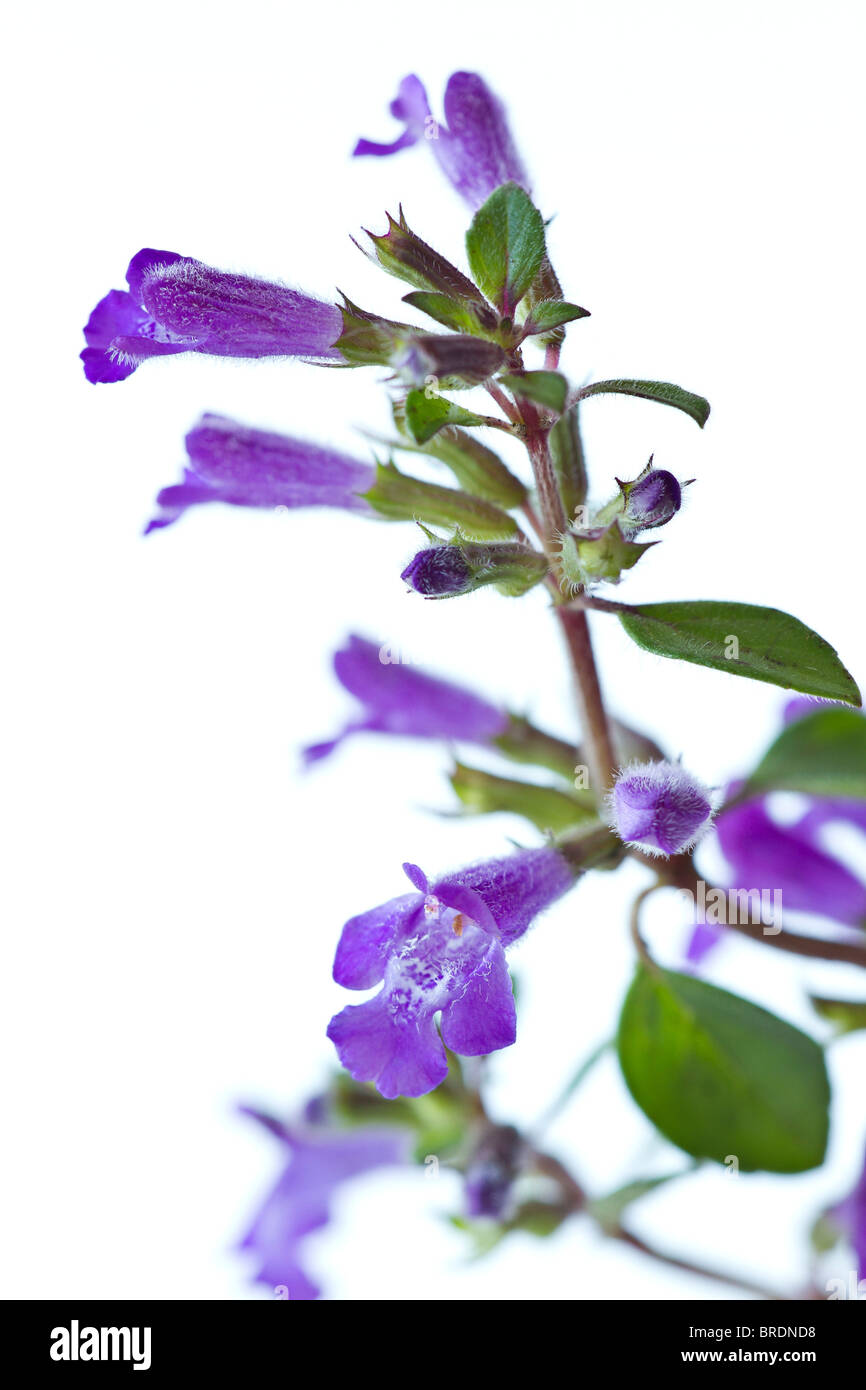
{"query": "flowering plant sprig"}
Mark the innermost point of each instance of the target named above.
(717, 1075)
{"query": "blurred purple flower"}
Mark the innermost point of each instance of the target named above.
(399, 700)
(474, 148)
(788, 859)
(252, 468)
(440, 948)
(659, 806)
(319, 1161)
(850, 1216)
(176, 304)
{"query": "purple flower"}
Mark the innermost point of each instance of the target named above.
(438, 949)
(652, 500)
(252, 468)
(765, 855)
(474, 148)
(398, 700)
(319, 1162)
(850, 1217)
(176, 304)
(440, 571)
(490, 1173)
(659, 806)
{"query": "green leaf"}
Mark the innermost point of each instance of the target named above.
(426, 415)
(400, 498)
(552, 313)
(548, 808)
(609, 1210)
(544, 388)
(823, 754)
(761, 643)
(569, 463)
(849, 1015)
(721, 1077)
(463, 316)
(505, 245)
(662, 391)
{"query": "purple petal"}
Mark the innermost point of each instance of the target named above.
(236, 315)
(366, 940)
(416, 877)
(764, 855)
(477, 152)
(515, 888)
(401, 700)
(483, 1018)
(116, 315)
(144, 261)
(704, 938)
(253, 468)
(851, 1216)
(375, 1044)
(409, 106)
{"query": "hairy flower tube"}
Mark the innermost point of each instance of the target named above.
(318, 1161)
(439, 949)
(177, 304)
(474, 148)
(399, 700)
(246, 467)
(659, 807)
(652, 500)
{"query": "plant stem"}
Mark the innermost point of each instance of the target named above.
(593, 716)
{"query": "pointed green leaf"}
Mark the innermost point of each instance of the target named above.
(548, 808)
(464, 316)
(761, 643)
(400, 498)
(552, 313)
(505, 245)
(609, 1210)
(662, 391)
(823, 754)
(849, 1015)
(544, 388)
(721, 1077)
(427, 414)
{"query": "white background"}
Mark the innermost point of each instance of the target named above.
(177, 887)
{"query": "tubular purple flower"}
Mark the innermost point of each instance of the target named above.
(318, 1162)
(474, 148)
(402, 701)
(659, 807)
(253, 468)
(176, 304)
(439, 949)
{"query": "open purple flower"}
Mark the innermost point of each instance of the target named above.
(399, 700)
(176, 304)
(439, 949)
(318, 1162)
(660, 807)
(253, 468)
(474, 148)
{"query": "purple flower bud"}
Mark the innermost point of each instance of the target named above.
(176, 304)
(474, 149)
(490, 1174)
(659, 807)
(652, 500)
(444, 571)
(439, 572)
(254, 468)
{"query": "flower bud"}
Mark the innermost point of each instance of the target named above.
(651, 500)
(491, 1172)
(459, 567)
(659, 807)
